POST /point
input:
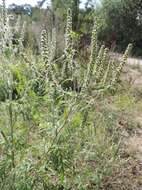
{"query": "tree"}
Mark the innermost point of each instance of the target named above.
(20, 9)
(122, 19)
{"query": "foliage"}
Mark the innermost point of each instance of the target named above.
(20, 9)
(122, 23)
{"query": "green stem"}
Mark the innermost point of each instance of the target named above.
(11, 135)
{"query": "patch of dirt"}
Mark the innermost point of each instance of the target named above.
(128, 176)
(134, 146)
(133, 76)
(139, 120)
(132, 70)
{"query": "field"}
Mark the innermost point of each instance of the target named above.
(68, 122)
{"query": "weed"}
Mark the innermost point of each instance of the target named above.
(57, 131)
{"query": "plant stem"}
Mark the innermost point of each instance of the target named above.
(11, 135)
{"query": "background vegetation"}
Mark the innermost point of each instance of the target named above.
(120, 21)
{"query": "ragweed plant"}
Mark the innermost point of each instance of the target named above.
(45, 50)
(100, 72)
(48, 48)
(92, 62)
(4, 13)
(11, 37)
(67, 66)
(118, 70)
(54, 132)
